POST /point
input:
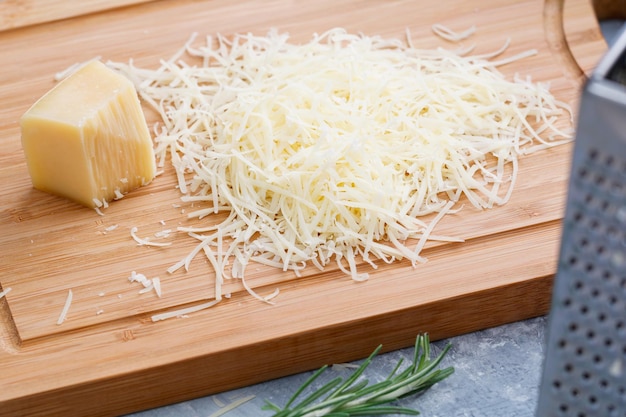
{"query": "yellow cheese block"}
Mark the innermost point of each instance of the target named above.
(87, 138)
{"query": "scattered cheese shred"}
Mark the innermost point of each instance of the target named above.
(218, 402)
(344, 366)
(345, 147)
(147, 283)
(118, 194)
(229, 407)
(163, 233)
(66, 307)
(448, 34)
(156, 283)
(5, 292)
(145, 241)
(183, 311)
(146, 289)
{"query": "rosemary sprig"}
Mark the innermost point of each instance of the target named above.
(339, 398)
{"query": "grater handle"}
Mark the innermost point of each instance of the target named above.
(557, 41)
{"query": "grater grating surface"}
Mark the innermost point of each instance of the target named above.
(584, 372)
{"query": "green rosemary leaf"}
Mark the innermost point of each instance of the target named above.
(395, 369)
(356, 387)
(381, 411)
(354, 397)
(320, 392)
(270, 406)
(306, 385)
(356, 374)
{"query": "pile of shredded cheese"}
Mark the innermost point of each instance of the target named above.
(334, 150)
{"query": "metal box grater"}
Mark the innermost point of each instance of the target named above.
(584, 371)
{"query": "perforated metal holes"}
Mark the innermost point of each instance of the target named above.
(586, 359)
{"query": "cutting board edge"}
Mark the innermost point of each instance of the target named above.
(533, 296)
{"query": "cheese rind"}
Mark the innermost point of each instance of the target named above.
(87, 138)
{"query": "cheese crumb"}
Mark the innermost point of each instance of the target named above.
(148, 284)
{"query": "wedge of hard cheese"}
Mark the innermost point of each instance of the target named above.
(87, 138)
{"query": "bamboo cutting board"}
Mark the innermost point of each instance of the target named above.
(20, 13)
(109, 358)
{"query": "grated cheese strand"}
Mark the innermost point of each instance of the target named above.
(230, 407)
(144, 241)
(340, 148)
(448, 34)
(5, 292)
(156, 283)
(66, 307)
(183, 311)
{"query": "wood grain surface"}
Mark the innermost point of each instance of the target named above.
(108, 358)
(21, 13)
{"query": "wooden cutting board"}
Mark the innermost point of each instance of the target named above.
(109, 358)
